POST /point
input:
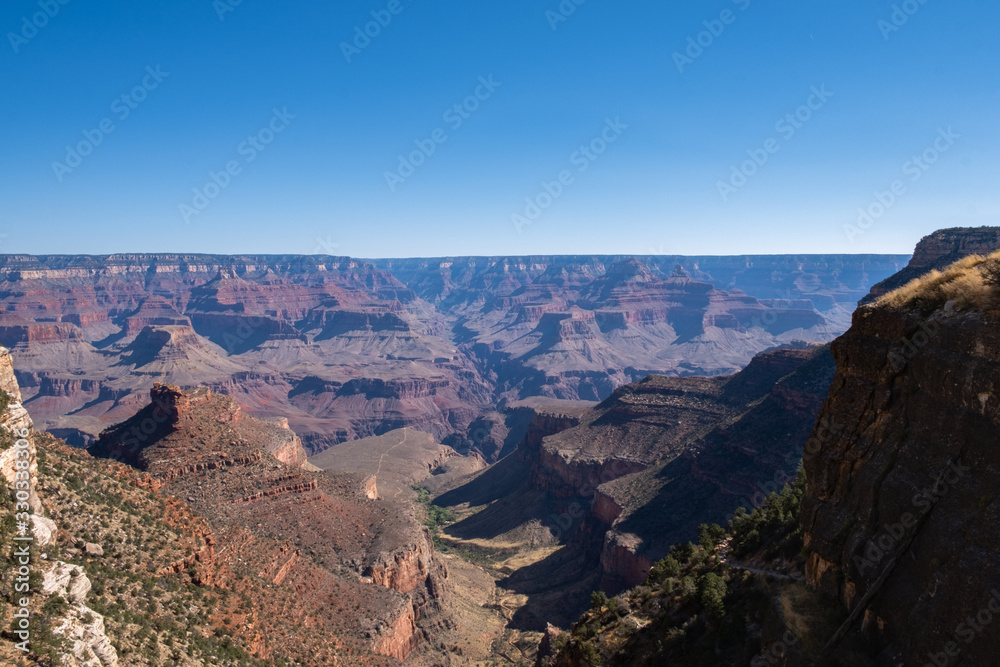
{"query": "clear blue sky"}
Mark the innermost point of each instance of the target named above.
(321, 184)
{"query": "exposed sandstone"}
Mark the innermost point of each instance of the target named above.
(89, 645)
(15, 420)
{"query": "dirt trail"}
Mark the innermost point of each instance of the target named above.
(406, 434)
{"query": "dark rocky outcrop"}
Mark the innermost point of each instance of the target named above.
(902, 513)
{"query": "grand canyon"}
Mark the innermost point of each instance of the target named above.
(381, 333)
(329, 461)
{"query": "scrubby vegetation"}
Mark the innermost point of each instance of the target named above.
(973, 281)
(692, 610)
(6, 437)
(435, 517)
(771, 530)
(153, 615)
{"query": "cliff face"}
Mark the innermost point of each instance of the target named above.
(901, 513)
(726, 444)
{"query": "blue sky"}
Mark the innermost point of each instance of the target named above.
(663, 132)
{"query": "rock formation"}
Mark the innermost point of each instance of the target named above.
(15, 421)
(248, 477)
(80, 625)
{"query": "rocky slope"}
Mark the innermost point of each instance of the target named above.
(14, 420)
(345, 349)
(736, 598)
(214, 545)
(367, 564)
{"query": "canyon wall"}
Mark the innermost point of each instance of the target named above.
(15, 421)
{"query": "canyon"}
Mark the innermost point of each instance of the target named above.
(595, 495)
(440, 461)
(346, 348)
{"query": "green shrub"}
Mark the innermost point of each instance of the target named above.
(773, 527)
(709, 536)
(666, 568)
(711, 593)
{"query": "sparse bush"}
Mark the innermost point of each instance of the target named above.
(967, 282)
(773, 527)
